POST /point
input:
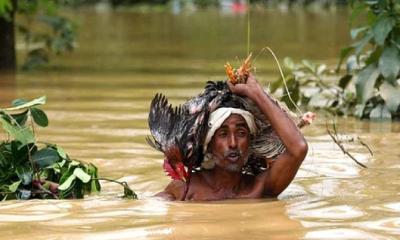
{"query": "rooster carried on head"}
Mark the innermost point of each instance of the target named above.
(179, 132)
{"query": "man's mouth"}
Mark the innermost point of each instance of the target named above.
(233, 156)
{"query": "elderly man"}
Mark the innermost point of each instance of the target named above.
(226, 151)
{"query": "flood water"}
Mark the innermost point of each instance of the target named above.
(98, 100)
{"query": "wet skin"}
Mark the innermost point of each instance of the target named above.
(230, 145)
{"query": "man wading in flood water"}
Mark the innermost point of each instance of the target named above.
(246, 146)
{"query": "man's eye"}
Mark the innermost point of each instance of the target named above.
(222, 134)
(242, 133)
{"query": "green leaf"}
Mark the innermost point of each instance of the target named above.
(309, 65)
(288, 63)
(24, 174)
(34, 102)
(321, 69)
(359, 46)
(354, 32)
(95, 186)
(20, 118)
(66, 172)
(79, 173)
(39, 117)
(359, 110)
(365, 83)
(322, 99)
(94, 183)
(382, 28)
(65, 185)
(391, 95)
(129, 193)
(345, 80)
(380, 112)
(389, 63)
(275, 85)
(61, 152)
(396, 39)
(45, 157)
(374, 56)
(13, 187)
(24, 194)
(343, 55)
(56, 167)
(18, 102)
(3, 159)
(21, 134)
(74, 163)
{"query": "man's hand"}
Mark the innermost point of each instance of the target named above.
(249, 89)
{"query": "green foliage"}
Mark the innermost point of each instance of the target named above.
(370, 88)
(43, 29)
(5, 8)
(376, 51)
(315, 86)
(30, 170)
(53, 33)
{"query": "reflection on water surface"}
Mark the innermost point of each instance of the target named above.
(98, 98)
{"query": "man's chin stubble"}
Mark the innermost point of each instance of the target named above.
(233, 167)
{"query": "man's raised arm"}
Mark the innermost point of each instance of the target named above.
(286, 166)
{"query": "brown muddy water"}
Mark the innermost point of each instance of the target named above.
(98, 99)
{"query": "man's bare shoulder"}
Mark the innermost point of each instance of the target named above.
(174, 191)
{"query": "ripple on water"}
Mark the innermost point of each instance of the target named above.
(389, 207)
(132, 233)
(342, 233)
(34, 210)
(332, 187)
(335, 213)
(30, 217)
(326, 160)
(337, 170)
(387, 225)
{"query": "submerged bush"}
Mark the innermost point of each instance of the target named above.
(370, 86)
(374, 65)
(30, 169)
(315, 86)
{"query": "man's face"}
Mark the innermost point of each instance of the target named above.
(230, 143)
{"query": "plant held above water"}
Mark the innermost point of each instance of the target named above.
(31, 169)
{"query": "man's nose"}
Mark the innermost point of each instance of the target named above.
(232, 141)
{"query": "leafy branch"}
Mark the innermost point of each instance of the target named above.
(128, 192)
(31, 169)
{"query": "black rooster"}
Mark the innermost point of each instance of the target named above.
(179, 132)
